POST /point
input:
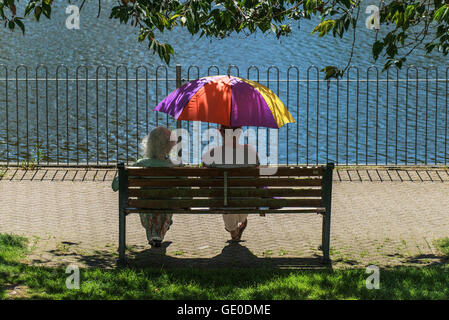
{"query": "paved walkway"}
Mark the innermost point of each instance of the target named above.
(381, 221)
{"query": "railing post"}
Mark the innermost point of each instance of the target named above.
(327, 200)
(122, 201)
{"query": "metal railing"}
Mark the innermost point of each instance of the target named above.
(98, 116)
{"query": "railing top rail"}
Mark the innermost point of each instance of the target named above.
(261, 80)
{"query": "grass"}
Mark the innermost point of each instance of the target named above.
(363, 254)
(37, 155)
(267, 253)
(62, 248)
(2, 172)
(443, 246)
(194, 283)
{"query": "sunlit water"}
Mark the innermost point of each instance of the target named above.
(378, 121)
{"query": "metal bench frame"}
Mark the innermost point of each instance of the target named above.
(124, 200)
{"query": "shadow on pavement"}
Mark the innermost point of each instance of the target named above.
(232, 255)
(427, 260)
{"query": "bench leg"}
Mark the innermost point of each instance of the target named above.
(121, 239)
(326, 237)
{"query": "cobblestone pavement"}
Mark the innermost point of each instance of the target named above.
(381, 217)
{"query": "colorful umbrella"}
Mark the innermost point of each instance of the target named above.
(227, 100)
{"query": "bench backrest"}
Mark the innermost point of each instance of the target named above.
(217, 190)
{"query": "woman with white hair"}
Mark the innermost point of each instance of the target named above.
(156, 147)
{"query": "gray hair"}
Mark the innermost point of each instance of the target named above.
(157, 145)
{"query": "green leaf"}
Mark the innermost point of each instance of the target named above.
(29, 8)
(310, 5)
(37, 13)
(398, 63)
(442, 13)
(142, 35)
(324, 27)
(430, 46)
(20, 24)
(346, 3)
(377, 49)
(332, 72)
(46, 9)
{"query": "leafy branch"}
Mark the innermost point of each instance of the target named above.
(412, 22)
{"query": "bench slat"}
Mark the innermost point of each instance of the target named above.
(219, 211)
(232, 202)
(215, 192)
(244, 182)
(218, 172)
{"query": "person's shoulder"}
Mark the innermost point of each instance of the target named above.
(143, 162)
(146, 162)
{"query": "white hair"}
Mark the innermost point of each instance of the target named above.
(157, 145)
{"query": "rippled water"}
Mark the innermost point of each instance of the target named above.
(371, 122)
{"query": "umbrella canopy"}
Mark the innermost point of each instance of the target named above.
(226, 100)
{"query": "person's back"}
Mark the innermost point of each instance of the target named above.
(145, 163)
(226, 156)
(156, 147)
(232, 155)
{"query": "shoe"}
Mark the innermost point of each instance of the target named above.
(236, 238)
(241, 229)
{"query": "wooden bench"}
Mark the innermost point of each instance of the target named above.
(200, 190)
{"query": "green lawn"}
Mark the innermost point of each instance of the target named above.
(49, 283)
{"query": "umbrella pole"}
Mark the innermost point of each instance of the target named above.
(178, 122)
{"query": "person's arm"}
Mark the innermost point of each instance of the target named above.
(115, 185)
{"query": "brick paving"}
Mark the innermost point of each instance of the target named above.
(382, 217)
